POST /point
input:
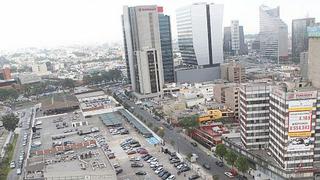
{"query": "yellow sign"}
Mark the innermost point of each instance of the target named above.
(301, 109)
(299, 134)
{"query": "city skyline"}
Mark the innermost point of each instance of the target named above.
(56, 23)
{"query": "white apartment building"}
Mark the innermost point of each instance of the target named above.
(200, 35)
(254, 115)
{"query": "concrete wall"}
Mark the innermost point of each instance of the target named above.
(198, 75)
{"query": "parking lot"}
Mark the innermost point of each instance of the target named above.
(68, 147)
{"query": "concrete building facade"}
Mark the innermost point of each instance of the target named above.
(228, 94)
(314, 56)
(292, 129)
(199, 28)
(233, 72)
(143, 49)
(254, 115)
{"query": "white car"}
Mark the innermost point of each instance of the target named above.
(229, 174)
(158, 170)
(18, 171)
(171, 177)
(12, 165)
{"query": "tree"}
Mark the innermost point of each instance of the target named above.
(242, 164)
(231, 157)
(10, 121)
(161, 132)
(8, 94)
(156, 129)
(221, 150)
(68, 83)
(189, 122)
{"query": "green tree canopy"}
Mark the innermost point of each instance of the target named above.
(10, 121)
(231, 157)
(221, 150)
(68, 83)
(189, 122)
(8, 94)
(242, 164)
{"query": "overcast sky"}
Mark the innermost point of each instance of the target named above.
(47, 23)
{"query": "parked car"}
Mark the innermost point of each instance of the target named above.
(141, 173)
(136, 165)
(118, 171)
(195, 176)
(12, 165)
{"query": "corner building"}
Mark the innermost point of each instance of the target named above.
(293, 140)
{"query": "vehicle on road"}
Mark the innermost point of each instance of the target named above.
(18, 171)
(194, 144)
(219, 163)
(229, 174)
(206, 166)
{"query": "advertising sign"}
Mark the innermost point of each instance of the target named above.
(313, 31)
(300, 143)
(301, 105)
(300, 121)
(302, 95)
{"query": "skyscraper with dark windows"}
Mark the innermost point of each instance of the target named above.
(166, 47)
(300, 37)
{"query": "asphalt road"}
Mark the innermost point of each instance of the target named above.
(181, 144)
(19, 146)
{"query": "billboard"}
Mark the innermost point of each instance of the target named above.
(313, 31)
(300, 123)
(300, 143)
(301, 105)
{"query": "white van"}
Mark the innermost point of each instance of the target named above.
(18, 171)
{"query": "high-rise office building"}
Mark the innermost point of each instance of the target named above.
(227, 47)
(314, 55)
(235, 36)
(143, 49)
(199, 28)
(233, 40)
(254, 115)
(300, 37)
(273, 34)
(166, 47)
(243, 46)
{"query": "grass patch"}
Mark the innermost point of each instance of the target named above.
(5, 164)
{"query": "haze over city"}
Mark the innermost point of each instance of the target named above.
(168, 90)
(47, 23)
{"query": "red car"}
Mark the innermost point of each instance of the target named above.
(142, 151)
